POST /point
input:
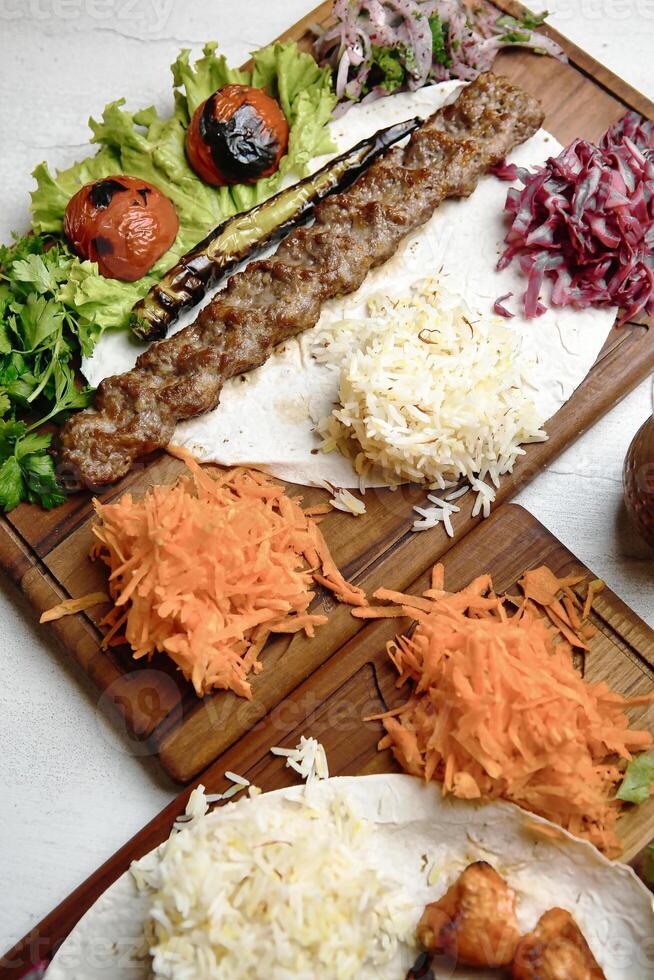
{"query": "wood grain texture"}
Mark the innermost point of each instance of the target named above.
(46, 553)
(602, 77)
(359, 680)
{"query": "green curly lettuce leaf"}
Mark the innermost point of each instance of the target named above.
(146, 145)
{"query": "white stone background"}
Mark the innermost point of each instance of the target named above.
(71, 792)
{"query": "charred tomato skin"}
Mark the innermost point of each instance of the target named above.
(236, 136)
(123, 223)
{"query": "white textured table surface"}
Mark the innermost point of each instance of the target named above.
(71, 791)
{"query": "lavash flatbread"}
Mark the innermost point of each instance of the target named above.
(268, 418)
(417, 830)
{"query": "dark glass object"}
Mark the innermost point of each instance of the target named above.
(638, 478)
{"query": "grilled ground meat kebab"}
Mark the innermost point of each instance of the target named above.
(275, 298)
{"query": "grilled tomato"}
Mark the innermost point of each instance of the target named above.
(236, 136)
(122, 223)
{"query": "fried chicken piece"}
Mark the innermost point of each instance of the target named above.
(474, 923)
(555, 950)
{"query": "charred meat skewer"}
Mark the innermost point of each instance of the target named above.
(246, 235)
(276, 298)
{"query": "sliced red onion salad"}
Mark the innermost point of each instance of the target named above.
(585, 221)
(378, 46)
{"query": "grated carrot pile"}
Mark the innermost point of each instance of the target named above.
(207, 569)
(497, 707)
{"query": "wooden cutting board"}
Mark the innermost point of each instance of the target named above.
(359, 681)
(46, 553)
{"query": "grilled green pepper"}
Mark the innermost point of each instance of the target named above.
(246, 235)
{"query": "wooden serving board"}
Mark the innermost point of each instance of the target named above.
(359, 681)
(46, 553)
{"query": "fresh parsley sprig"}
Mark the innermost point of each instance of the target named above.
(40, 338)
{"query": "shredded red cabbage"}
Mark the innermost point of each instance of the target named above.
(585, 221)
(509, 171)
(379, 46)
(500, 309)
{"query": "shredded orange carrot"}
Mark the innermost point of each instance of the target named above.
(594, 588)
(379, 612)
(573, 615)
(70, 606)
(206, 569)
(544, 830)
(497, 708)
(414, 601)
(318, 510)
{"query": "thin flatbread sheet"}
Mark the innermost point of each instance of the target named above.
(422, 841)
(268, 417)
